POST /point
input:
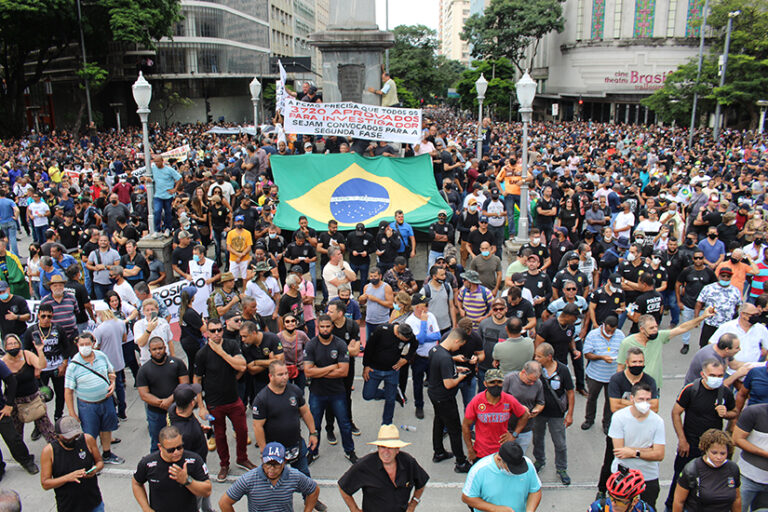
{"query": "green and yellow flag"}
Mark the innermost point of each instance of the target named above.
(351, 188)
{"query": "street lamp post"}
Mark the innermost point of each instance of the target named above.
(526, 92)
(481, 85)
(762, 104)
(731, 15)
(142, 94)
(255, 87)
(698, 71)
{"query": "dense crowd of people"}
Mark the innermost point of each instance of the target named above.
(628, 223)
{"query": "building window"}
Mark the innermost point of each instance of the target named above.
(671, 17)
(598, 19)
(645, 12)
(580, 19)
(617, 19)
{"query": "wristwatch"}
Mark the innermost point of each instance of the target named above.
(637, 454)
(188, 482)
(515, 434)
(417, 500)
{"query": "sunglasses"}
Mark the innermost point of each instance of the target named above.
(237, 319)
(289, 321)
(45, 316)
(570, 289)
(498, 309)
(698, 257)
(216, 330)
(174, 449)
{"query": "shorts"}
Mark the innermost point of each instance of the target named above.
(239, 269)
(97, 417)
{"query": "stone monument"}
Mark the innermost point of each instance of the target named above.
(352, 48)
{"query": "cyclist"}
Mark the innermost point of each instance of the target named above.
(624, 489)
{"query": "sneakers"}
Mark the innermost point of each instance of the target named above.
(587, 425)
(113, 459)
(538, 465)
(223, 472)
(122, 417)
(332, 438)
(684, 349)
(563, 474)
(320, 506)
(116, 440)
(246, 465)
(30, 466)
(35, 434)
(400, 398)
(440, 457)
(462, 467)
(351, 457)
(420, 413)
(211, 444)
(312, 457)
(355, 430)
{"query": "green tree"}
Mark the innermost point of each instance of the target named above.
(33, 33)
(501, 86)
(169, 100)
(414, 60)
(508, 28)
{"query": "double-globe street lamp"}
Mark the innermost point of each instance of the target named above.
(481, 85)
(142, 94)
(526, 92)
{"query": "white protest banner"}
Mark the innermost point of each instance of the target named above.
(280, 93)
(353, 119)
(180, 153)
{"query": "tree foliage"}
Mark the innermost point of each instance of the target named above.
(508, 28)
(501, 86)
(36, 32)
(414, 60)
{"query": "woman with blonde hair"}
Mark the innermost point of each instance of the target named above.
(293, 340)
(401, 309)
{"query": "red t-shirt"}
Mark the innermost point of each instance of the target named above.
(491, 421)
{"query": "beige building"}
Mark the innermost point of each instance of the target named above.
(453, 14)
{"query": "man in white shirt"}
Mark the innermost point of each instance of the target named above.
(204, 273)
(337, 272)
(624, 221)
(638, 440)
(752, 335)
(122, 287)
(222, 183)
(152, 326)
(266, 291)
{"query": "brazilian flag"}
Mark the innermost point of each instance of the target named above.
(351, 188)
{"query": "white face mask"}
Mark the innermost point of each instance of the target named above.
(85, 350)
(609, 288)
(656, 261)
(631, 256)
(643, 407)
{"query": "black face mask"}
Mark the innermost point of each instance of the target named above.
(712, 236)
(69, 443)
(114, 202)
(494, 391)
(751, 320)
(636, 370)
(652, 336)
(573, 266)
(13, 352)
(690, 242)
(290, 330)
(758, 241)
(734, 260)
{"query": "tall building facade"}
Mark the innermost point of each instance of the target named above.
(453, 14)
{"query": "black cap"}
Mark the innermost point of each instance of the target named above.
(184, 394)
(419, 298)
(512, 455)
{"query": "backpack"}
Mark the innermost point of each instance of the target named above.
(483, 290)
(213, 313)
(427, 289)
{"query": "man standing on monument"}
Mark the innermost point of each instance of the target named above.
(388, 91)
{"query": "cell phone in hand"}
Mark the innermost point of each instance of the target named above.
(153, 315)
(93, 469)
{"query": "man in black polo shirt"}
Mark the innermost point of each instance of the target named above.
(259, 349)
(360, 244)
(630, 271)
(326, 362)
(300, 252)
(649, 302)
(14, 312)
(156, 380)
(176, 476)
(69, 232)
(571, 273)
(605, 301)
(559, 332)
(216, 366)
(537, 248)
(348, 331)
(538, 283)
(444, 380)
(386, 477)
(689, 283)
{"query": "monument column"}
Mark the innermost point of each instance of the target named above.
(352, 49)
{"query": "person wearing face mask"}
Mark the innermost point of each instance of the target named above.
(630, 270)
(494, 210)
(92, 380)
(723, 297)
(710, 482)
(70, 465)
(727, 346)
(608, 300)
(467, 223)
(713, 249)
(755, 250)
(705, 403)
(648, 302)
(488, 266)
(571, 273)
(538, 247)
(652, 340)
(14, 312)
(637, 434)
(156, 381)
(113, 211)
(601, 347)
(688, 286)
(741, 267)
(360, 245)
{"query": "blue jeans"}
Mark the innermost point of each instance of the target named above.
(120, 392)
(99, 507)
(338, 404)
(622, 319)
(524, 440)
(10, 231)
(433, 255)
(670, 301)
(301, 463)
(749, 491)
(155, 423)
(160, 207)
(687, 314)
(467, 389)
(313, 273)
(97, 417)
(38, 233)
(510, 201)
(363, 271)
(100, 290)
(419, 370)
(372, 391)
(310, 324)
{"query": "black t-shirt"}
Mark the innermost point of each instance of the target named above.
(699, 404)
(619, 386)
(304, 250)
(360, 243)
(474, 344)
(181, 257)
(138, 261)
(191, 432)
(659, 276)
(714, 488)
(219, 216)
(219, 378)
(632, 273)
(540, 286)
(161, 379)
(523, 310)
(649, 303)
(80, 293)
(348, 332)
(580, 278)
(605, 304)
(544, 220)
(191, 325)
(270, 344)
(476, 238)
(441, 229)
(293, 306)
(57, 345)
(325, 238)
(281, 412)
(558, 336)
(322, 355)
(555, 398)
(18, 305)
(441, 366)
(539, 250)
(69, 235)
(164, 492)
(693, 281)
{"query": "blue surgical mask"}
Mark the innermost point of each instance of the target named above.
(273, 235)
(195, 258)
(486, 253)
(714, 382)
(724, 283)
(396, 306)
(4, 296)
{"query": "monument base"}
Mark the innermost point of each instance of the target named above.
(351, 63)
(163, 246)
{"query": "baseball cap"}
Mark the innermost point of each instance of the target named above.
(240, 218)
(191, 290)
(482, 218)
(297, 269)
(494, 374)
(184, 394)
(4, 286)
(725, 270)
(512, 455)
(419, 298)
(273, 452)
(517, 277)
(68, 427)
(615, 279)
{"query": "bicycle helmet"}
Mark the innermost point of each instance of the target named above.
(626, 484)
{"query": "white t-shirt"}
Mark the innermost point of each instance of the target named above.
(637, 434)
(163, 330)
(265, 305)
(126, 293)
(39, 213)
(226, 189)
(432, 327)
(623, 220)
(331, 271)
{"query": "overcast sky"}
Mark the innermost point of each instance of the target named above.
(408, 12)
